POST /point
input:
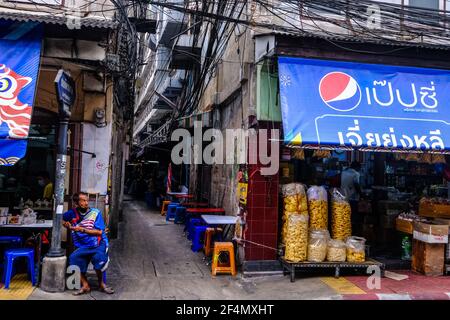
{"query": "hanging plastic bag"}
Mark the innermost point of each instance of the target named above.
(298, 154)
(321, 154)
(438, 158)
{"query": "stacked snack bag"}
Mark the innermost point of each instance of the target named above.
(294, 201)
(318, 208)
(341, 225)
(296, 238)
(305, 226)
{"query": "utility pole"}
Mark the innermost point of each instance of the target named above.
(54, 265)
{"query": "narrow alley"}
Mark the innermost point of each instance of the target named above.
(152, 259)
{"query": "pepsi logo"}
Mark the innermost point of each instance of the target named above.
(340, 91)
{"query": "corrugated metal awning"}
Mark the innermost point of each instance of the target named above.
(357, 39)
(47, 18)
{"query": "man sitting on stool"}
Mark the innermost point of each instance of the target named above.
(90, 240)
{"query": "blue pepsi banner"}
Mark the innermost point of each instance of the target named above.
(358, 105)
(20, 50)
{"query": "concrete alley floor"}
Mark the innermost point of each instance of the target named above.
(152, 259)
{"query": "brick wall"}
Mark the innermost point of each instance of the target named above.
(262, 216)
(262, 211)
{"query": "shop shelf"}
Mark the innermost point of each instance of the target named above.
(306, 265)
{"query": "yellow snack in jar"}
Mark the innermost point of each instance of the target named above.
(355, 256)
(356, 249)
(337, 251)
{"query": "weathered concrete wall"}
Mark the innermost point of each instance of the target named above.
(230, 92)
(224, 176)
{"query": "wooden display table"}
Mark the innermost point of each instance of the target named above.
(291, 266)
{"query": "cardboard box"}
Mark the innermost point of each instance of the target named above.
(430, 210)
(430, 233)
(428, 258)
(430, 238)
(442, 221)
(447, 222)
(404, 226)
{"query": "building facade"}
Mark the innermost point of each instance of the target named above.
(89, 40)
(217, 63)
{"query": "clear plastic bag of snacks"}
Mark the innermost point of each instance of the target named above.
(337, 251)
(317, 245)
(318, 208)
(302, 200)
(285, 219)
(290, 200)
(322, 154)
(298, 154)
(438, 158)
(356, 249)
(294, 200)
(341, 223)
(296, 238)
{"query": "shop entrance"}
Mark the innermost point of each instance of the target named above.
(392, 187)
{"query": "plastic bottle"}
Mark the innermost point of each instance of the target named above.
(406, 248)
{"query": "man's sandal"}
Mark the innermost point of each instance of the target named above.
(82, 291)
(107, 290)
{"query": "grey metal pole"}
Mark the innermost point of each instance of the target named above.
(61, 160)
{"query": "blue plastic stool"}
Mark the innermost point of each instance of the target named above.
(10, 256)
(171, 211)
(197, 238)
(192, 223)
(180, 215)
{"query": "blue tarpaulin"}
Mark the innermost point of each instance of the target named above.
(20, 50)
(359, 105)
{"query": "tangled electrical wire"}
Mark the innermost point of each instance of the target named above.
(337, 21)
